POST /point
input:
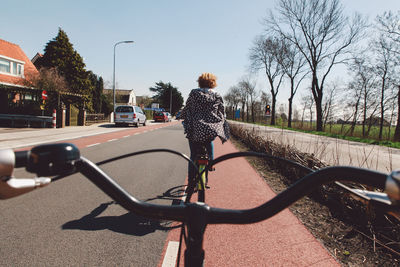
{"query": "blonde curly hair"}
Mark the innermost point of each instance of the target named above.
(207, 80)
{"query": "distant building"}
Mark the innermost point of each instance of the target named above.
(36, 57)
(123, 96)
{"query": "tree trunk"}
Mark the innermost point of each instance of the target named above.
(290, 112)
(252, 112)
(364, 115)
(243, 106)
(354, 122)
(318, 107)
(396, 136)
(273, 108)
(382, 108)
(247, 112)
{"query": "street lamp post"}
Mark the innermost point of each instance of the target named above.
(122, 42)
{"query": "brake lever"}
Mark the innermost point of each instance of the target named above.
(373, 196)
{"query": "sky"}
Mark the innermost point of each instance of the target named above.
(174, 40)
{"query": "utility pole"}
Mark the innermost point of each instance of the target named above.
(170, 101)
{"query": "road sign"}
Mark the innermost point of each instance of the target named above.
(44, 95)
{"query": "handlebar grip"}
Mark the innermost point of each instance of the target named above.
(21, 158)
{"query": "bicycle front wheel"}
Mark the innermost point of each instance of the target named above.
(201, 186)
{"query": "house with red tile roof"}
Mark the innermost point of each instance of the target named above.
(16, 69)
(17, 95)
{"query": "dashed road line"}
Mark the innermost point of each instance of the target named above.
(93, 145)
(126, 136)
(171, 254)
(111, 140)
(183, 198)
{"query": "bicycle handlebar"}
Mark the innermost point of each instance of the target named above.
(65, 159)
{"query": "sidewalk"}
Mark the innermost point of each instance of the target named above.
(25, 137)
(22, 137)
(332, 151)
(279, 241)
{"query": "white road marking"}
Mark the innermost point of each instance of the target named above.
(93, 145)
(126, 136)
(111, 140)
(183, 198)
(171, 254)
(136, 133)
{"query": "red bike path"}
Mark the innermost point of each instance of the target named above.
(279, 241)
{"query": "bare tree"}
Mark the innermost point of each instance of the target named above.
(243, 96)
(292, 62)
(50, 79)
(250, 87)
(329, 104)
(322, 33)
(389, 25)
(263, 55)
(296, 114)
(353, 98)
(232, 99)
(53, 82)
(364, 81)
(307, 102)
(384, 66)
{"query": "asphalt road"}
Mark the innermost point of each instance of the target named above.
(71, 222)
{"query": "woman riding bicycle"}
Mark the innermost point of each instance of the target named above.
(204, 118)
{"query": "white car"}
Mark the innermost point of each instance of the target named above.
(125, 115)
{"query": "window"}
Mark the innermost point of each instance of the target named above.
(4, 65)
(11, 67)
(138, 110)
(14, 68)
(124, 109)
(20, 70)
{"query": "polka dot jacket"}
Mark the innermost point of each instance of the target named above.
(204, 116)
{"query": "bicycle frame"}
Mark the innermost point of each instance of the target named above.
(202, 164)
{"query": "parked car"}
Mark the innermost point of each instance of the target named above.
(126, 114)
(160, 116)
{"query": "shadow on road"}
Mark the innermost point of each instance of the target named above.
(108, 125)
(129, 223)
(175, 194)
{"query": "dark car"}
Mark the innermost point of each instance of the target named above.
(160, 116)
